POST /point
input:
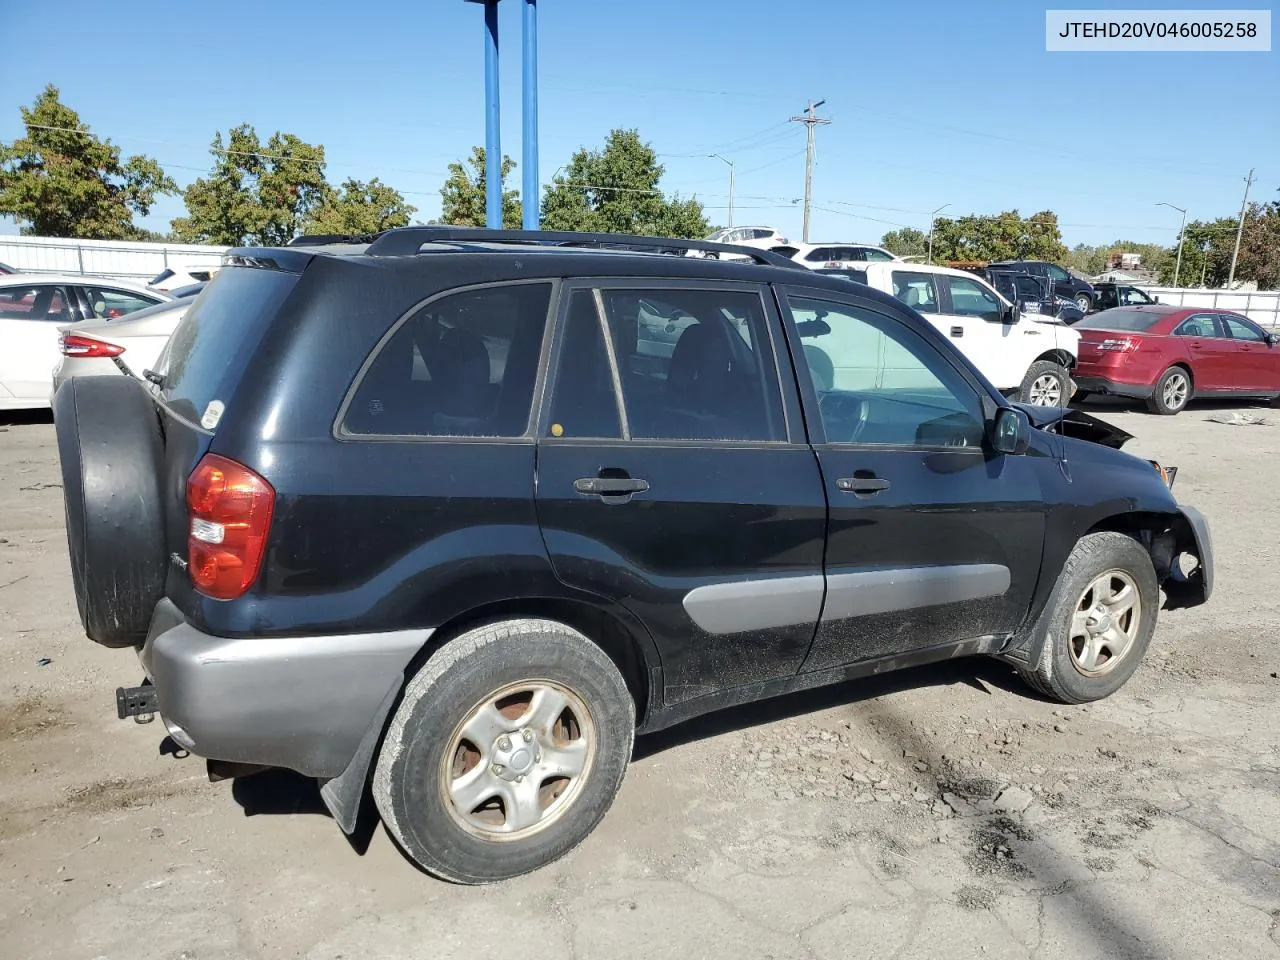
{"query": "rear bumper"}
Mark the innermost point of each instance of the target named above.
(1115, 388)
(303, 703)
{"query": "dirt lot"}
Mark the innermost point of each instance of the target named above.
(937, 813)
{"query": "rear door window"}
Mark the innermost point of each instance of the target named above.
(916, 290)
(462, 366)
(208, 352)
(45, 302)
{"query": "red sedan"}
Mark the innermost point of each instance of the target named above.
(1166, 355)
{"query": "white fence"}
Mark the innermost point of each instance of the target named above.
(1260, 306)
(109, 259)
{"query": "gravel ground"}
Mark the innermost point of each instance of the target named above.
(939, 812)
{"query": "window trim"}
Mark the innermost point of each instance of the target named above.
(925, 333)
(788, 402)
(338, 430)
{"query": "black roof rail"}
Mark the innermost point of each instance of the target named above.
(323, 239)
(406, 241)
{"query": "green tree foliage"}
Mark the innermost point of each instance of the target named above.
(1206, 252)
(1260, 246)
(1089, 261)
(255, 194)
(62, 181)
(907, 242)
(359, 209)
(615, 190)
(462, 198)
(1006, 236)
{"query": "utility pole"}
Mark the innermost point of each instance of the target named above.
(810, 120)
(1248, 182)
(1177, 269)
(932, 217)
(716, 156)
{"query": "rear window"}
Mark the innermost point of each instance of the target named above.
(209, 350)
(1120, 318)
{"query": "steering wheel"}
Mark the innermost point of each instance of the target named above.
(839, 410)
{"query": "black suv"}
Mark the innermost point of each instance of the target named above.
(447, 516)
(1064, 283)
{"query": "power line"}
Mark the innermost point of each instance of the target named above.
(810, 121)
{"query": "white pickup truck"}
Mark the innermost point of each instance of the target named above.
(1024, 355)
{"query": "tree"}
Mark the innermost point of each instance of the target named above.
(359, 209)
(1006, 236)
(615, 190)
(62, 181)
(462, 198)
(1260, 246)
(907, 242)
(1206, 252)
(255, 194)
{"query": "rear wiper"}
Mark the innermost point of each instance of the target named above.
(153, 377)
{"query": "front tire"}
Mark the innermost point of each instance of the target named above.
(1172, 392)
(1046, 384)
(1084, 303)
(1098, 622)
(506, 751)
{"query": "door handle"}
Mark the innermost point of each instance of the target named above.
(862, 486)
(610, 488)
(957, 331)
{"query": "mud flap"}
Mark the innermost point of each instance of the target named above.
(344, 794)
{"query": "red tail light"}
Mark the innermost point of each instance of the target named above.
(230, 513)
(75, 345)
(1120, 345)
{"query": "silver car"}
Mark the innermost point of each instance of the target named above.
(113, 347)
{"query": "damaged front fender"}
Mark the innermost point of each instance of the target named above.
(1190, 537)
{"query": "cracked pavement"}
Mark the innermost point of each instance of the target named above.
(936, 813)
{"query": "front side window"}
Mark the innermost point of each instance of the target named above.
(462, 366)
(694, 364)
(110, 304)
(916, 290)
(1238, 329)
(877, 382)
(971, 299)
(1058, 273)
(44, 302)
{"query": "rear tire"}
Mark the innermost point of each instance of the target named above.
(1172, 392)
(475, 780)
(110, 449)
(1084, 303)
(1046, 384)
(1091, 646)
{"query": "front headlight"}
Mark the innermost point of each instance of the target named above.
(1167, 474)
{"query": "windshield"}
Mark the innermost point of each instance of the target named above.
(1121, 319)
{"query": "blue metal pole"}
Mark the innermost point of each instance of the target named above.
(493, 124)
(532, 192)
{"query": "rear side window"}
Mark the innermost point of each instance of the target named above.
(877, 255)
(462, 366)
(208, 352)
(916, 290)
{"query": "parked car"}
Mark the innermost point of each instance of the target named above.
(1024, 354)
(1065, 284)
(113, 347)
(31, 309)
(431, 520)
(1121, 295)
(833, 255)
(1168, 355)
(171, 278)
(759, 238)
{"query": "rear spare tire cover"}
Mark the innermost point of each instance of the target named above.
(110, 446)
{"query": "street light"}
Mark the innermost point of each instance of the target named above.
(1177, 269)
(716, 156)
(933, 216)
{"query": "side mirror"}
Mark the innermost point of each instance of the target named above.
(1273, 339)
(1010, 432)
(1011, 313)
(1155, 299)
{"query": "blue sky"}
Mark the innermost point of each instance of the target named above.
(931, 102)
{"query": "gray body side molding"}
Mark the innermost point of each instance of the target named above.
(742, 606)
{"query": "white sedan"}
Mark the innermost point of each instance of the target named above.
(112, 347)
(33, 307)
